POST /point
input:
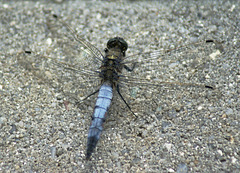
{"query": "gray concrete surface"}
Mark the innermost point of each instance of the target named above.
(178, 129)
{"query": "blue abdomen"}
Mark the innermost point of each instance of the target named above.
(102, 105)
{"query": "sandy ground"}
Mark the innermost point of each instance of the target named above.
(178, 129)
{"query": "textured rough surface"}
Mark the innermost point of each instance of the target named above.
(190, 130)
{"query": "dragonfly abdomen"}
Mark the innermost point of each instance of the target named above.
(102, 105)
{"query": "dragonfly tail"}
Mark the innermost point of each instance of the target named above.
(92, 142)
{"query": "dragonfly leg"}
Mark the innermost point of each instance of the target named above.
(91, 94)
(130, 69)
(79, 102)
(118, 90)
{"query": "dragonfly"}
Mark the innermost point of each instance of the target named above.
(107, 73)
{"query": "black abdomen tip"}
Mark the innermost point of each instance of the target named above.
(91, 145)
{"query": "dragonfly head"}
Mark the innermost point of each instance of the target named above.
(117, 42)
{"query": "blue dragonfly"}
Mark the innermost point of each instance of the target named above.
(109, 72)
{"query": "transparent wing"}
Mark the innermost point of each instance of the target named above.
(67, 81)
(154, 68)
(70, 65)
(157, 73)
(75, 49)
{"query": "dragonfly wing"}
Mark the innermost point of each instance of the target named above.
(72, 48)
(74, 84)
(70, 64)
(159, 74)
(158, 67)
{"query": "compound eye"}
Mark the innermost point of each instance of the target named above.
(117, 42)
(124, 48)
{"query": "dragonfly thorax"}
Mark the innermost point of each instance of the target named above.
(110, 69)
